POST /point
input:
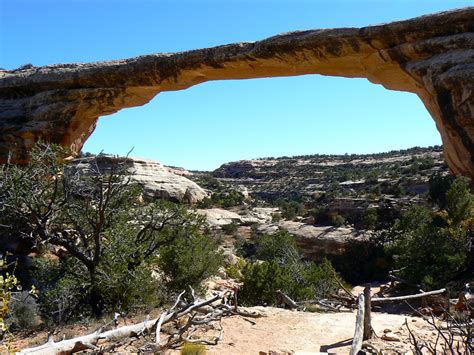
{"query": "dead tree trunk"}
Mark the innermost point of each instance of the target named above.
(359, 327)
(367, 314)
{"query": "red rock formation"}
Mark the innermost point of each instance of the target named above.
(431, 56)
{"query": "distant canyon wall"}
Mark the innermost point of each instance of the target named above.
(431, 56)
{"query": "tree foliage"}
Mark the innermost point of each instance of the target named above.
(432, 247)
(280, 267)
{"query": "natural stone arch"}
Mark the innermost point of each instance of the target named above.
(431, 56)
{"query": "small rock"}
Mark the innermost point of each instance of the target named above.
(387, 331)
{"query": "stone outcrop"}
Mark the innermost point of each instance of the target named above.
(157, 180)
(218, 217)
(431, 56)
(317, 242)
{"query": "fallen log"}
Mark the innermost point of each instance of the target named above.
(86, 341)
(408, 297)
(394, 277)
(195, 317)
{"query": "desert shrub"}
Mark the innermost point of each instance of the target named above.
(188, 260)
(234, 271)
(336, 220)
(23, 311)
(362, 261)
(62, 290)
(261, 280)
(289, 209)
(280, 267)
(301, 281)
(280, 247)
(276, 217)
(370, 218)
(10, 290)
(438, 187)
(193, 349)
(324, 216)
(243, 247)
(230, 228)
(433, 247)
(223, 199)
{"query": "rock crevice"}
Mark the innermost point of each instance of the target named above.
(431, 56)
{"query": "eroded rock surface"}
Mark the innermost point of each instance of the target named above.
(218, 217)
(431, 56)
(317, 242)
(157, 180)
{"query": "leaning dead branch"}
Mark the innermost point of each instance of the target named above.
(286, 300)
(186, 318)
(359, 327)
(409, 297)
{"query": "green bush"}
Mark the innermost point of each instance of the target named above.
(438, 187)
(301, 281)
(230, 228)
(261, 280)
(280, 267)
(280, 247)
(336, 220)
(223, 199)
(290, 209)
(23, 311)
(193, 349)
(430, 247)
(188, 260)
(370, 218)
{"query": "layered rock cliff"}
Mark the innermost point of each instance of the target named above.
(431, 56)
(156, 179)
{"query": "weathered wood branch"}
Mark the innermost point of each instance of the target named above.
(367, 314)
(217, 307)
(359, 327)
(408, 297)
(285, 299)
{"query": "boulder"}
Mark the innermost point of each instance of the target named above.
(217, 217)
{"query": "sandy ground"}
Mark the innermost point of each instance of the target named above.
(302, 332)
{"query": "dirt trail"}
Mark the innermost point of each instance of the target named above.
(303, 332)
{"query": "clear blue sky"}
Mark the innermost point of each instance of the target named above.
(217, 122)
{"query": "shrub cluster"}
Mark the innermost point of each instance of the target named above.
(222, 199)
(432, 247)
(279, 266)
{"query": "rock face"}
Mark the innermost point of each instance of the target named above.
(317, 242)
(157, 180)
(218, 217)
(431, 56)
